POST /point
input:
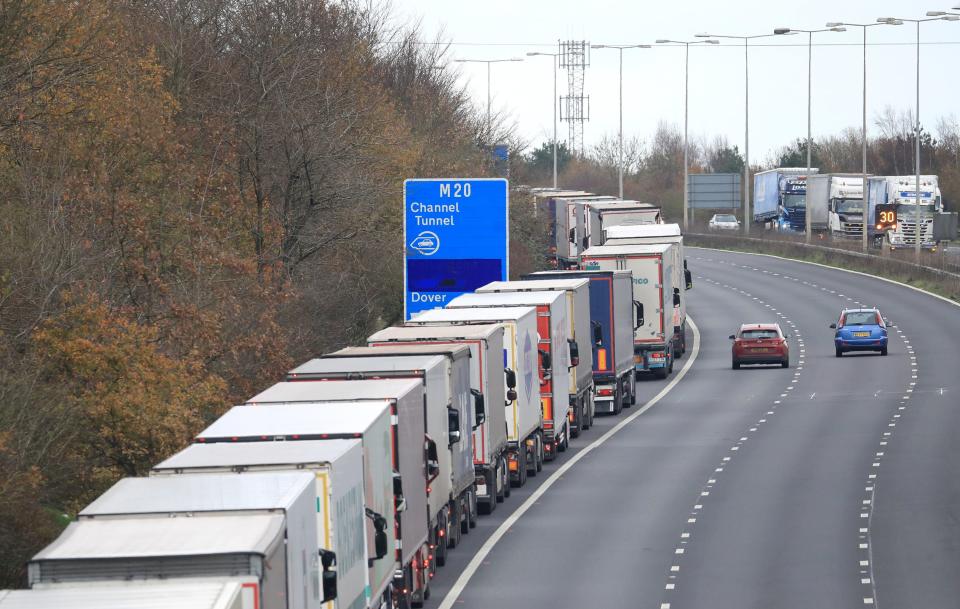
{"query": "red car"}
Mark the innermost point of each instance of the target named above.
(760, 344)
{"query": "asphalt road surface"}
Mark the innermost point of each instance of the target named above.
(828, 484)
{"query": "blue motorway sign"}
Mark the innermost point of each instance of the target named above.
(456, 239)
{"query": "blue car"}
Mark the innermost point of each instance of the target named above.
(860, 330)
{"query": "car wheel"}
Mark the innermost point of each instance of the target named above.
(785, 363)
(839, 351)
(736, 365)
(883, 351)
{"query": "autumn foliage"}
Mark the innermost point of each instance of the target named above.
(195, 195)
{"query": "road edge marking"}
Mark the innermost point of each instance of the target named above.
(458, 586)
(835, 268)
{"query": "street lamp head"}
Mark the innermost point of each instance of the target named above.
(712, 41)
(890, 20)
(702, 35)
(781, 30)
(936, 13)
(833, 24)
(663, 41)
(838, 29)
(598, 46)
(951, 18)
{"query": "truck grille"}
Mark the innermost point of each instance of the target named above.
(909, 231)
(851, 229)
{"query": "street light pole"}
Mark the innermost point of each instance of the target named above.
(933, 16)
(867, 220)
(488, 62)
(810, 33)
(553, 57)
(686, 119)
(620, 48)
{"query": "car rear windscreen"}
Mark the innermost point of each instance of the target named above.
(759, 334)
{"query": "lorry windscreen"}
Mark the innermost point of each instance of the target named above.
(905, 210)
(794, 201)
(849, 206)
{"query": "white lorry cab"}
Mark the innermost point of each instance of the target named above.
(485, 342)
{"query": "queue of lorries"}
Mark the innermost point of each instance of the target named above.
(784, 197)
(347, 484)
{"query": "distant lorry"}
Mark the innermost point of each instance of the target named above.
(901, 191)
(654, 295)
(416, 453)
(487, 374)
(835, 204)
(663, 234)
(779, 196)
(611, 327)
(553, 329)
(445, 372)
(570, 227)
(261, 526)
(338, 470)
(183, 593)
(600, 216)
(577, 291)
(523, 413)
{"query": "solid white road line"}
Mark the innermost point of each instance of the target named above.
(458, 586)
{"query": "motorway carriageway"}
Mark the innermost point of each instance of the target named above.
(828, 484)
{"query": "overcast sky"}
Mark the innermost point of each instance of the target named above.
(653, 78)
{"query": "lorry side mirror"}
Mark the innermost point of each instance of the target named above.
(597, 333)
(479, 408)
(511, 378)
(687, 276)
(329, 577)
(574, 353)
(684, 264)
(573, 235)
(380, 537)
(676, 297)
(433, 459)
(511, 395)
(453, 425)
(638, 306)
(399, 501)
(546, 362)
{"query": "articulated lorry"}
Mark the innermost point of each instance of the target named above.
(445, 372)
(577, 292)
(902, 192)
(523, 413)
(553, 329)
(663, 234)
(338, 470)
(414, 459)
(779, 196)
(835, 204)
(487, 375)
(654, 295)
(260, 526)
(611, 334)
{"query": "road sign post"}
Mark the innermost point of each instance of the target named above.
(456, 239)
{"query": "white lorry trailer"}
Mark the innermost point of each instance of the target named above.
(612, 321)
(524, 416)
(445, 372)
(260, 526)
(192, 593)
(486, 374)
(412, 580)
(577, 292)
(338, 470)
(390, 460)
(553, 328)
(600, 216)
(643, 234)
(654, 300)
(835, 204)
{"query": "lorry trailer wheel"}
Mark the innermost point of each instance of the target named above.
(474, 509)
(464, 515)
(453, 534)
(504, 480)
